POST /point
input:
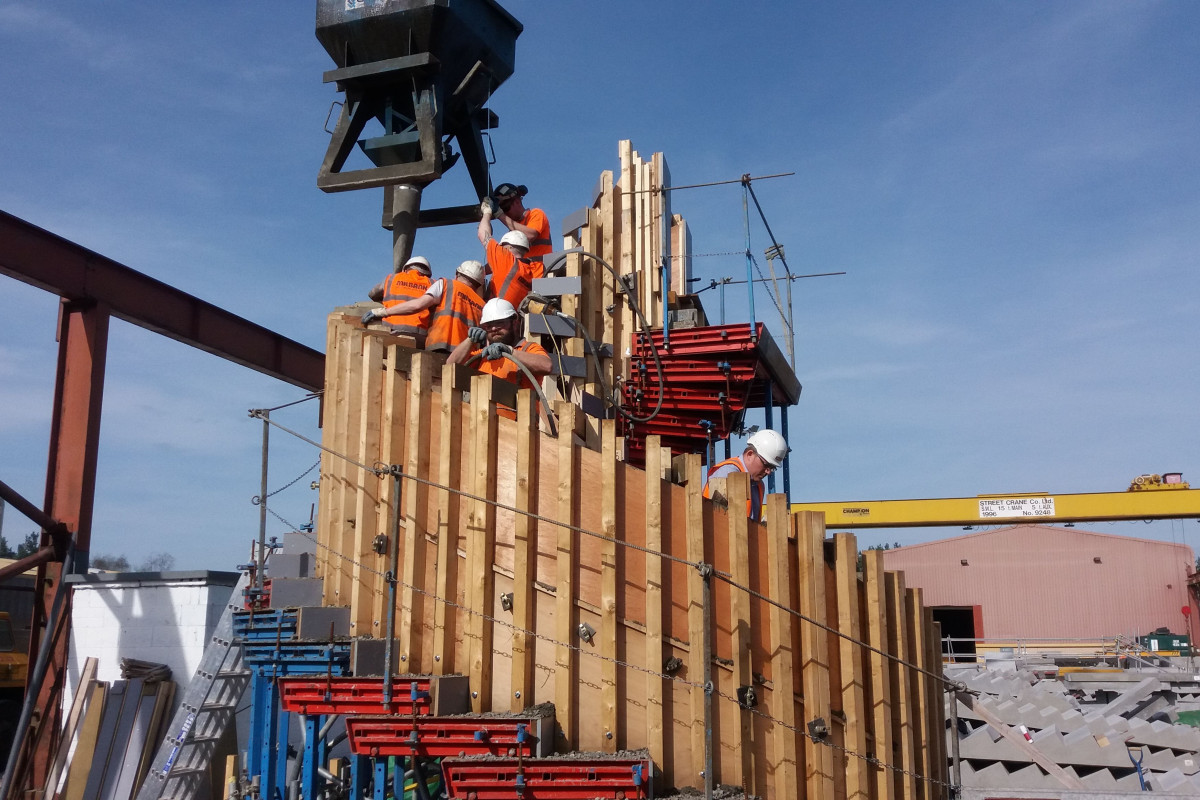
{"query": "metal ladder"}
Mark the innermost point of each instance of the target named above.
(182, 762)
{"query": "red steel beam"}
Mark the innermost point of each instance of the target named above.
(40, 258)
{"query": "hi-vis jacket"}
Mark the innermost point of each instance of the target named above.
(399, 287)
(458, 312)
(512, 277)
(731, 465)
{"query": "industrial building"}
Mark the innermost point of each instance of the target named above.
(1037, 585)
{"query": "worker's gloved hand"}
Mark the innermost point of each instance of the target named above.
(368, 318)
(478, 336)
(488, 207)
(496, 350)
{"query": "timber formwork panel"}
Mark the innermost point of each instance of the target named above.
(506, 598)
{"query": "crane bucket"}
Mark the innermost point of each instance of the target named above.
(423, 69)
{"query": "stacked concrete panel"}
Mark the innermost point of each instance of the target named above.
(1094, 743)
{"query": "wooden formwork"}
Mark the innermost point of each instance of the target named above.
(513, 542)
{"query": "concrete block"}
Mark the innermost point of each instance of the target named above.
(322, 622)
(285, 565)
(294, 544)
(296, 592)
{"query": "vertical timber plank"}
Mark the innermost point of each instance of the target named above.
(329, 421)
(525, 536)
(919, 688)
(346, 539)
(737, 488)
(445, 616)
(416, 514)
(881, 686)
(810, 538)
(902, 733)
(333, 471)
(935, 721)
(696, 610)
(481, 541)
(851, 678)
(610, 626)
(566, 678)
(654, 656)
(368, 521)
(783, 768)
(395, 410)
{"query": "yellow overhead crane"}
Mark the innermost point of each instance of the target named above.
(1148, 497)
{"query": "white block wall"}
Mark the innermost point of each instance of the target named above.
(166, 618)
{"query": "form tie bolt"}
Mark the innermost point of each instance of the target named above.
(474, 695)
(517, 695)
(437, 658)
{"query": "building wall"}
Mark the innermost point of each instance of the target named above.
(1040, 581)
(166, 618)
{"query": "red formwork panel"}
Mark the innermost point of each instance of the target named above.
(438, 737)
(348, 695)
(605, 777)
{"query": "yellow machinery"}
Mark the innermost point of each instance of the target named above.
(1163, 496)
(14, 664)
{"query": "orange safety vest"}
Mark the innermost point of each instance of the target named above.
(754, 502)
(507, 370)
(399, 288)
(512, 277)
(541, 245)
(458, 312)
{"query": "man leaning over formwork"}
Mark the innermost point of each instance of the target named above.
(408, 282)
(507, 204)
(764, 453)
(500, 333)
(455, 307)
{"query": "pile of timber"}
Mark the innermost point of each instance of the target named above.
(596, 603)
(112, 732)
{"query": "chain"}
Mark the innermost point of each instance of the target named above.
(870, 759)
(472, 612)
(290, 484)
(709, 255)
(636, 667)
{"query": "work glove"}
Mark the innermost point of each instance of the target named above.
(488, 207)
(368, 318)
(478, 336)
(496, 350)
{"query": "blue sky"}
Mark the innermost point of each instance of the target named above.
(1013, 190)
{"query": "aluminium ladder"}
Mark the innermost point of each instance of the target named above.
(181, 764)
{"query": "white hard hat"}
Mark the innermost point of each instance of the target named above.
(770, 446)
(495, 310)
(420, 262)
(516, 239)
(472, 270)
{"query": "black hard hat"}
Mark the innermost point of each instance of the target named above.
(508, 190)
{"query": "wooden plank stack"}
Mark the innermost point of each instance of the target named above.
(629, 224)
(549, 571)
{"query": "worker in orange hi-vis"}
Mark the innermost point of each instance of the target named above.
(500, 335)
(407, 283)
(512, 272)
(455, 307)
(764, 453)
(507, 205)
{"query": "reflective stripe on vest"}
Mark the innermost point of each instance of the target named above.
(754, 502)
(523, 283)
(402, 287)
(458, 312)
